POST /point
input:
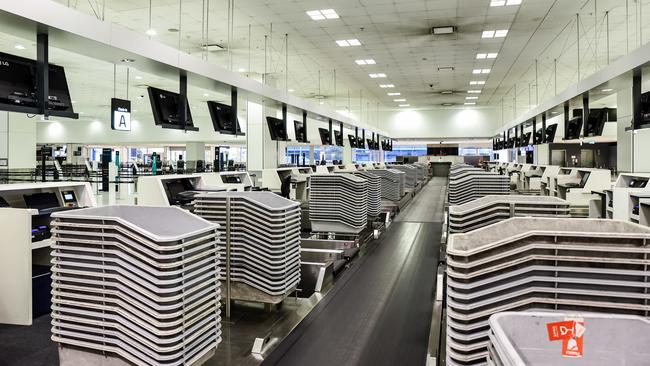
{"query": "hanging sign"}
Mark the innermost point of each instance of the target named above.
(120, 114)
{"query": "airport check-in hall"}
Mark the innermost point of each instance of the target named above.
(293, 183)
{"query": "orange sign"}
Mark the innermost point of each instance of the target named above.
(571, 333)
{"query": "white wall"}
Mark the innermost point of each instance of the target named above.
(442, 123)
(18, 140)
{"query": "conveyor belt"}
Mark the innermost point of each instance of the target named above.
(379, 312)
(428, 205)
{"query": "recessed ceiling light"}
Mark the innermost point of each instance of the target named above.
(488, 34)
(386, 86)
(495, 33)
(608, 90)
(474, 91)
(481, 56)
(471, 98)
(74, 101)
(138, 77)
(443, 30)
(19, 47)
(365, 62)
(446, 68)
(477, 82)
(291, 90)
(323, 14)
(492, 55)
(470, 103)
(404, 105)
(151, 32)
(446, 92)
(348, 42)
(399, 100)
(481, 71)
(241, 70)
(504, 2)
(128, 60)
(375, 76)
(394, 94)
(206, 94)
(447, 104)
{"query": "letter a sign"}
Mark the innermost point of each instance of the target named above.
(120, 114)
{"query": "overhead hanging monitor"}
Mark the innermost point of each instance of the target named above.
(597, 119)
(539, 136)
(338, 138)
(573, 129)
(360, 143)
(550, 133)
(277, 128)
(353, 141)
(222, 119)
(325, 137)
(525, 139)
(372, 145)
(165, 106)
(301, 131)
(18, 87)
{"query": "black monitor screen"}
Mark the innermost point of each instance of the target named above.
(165, 106)
(176, 186)
(353, 141)
(18, 81)
(325, 137)
(584, 179)
(597, 119)
(525, 139)
(360, 143)
(539, 135)
(573, 129)
(550, 133)
(301, 133)
(221, 118)
(232, 179)
(371, 144)
(41, 200)
(277, 128)
(338, 138)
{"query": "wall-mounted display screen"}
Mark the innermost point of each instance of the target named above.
(573, 129)
(301, 131)
(221, 119)
(353, 141)
(165, 106)
(325, 137)
(550, 133)
(338, 138)
(18, 86)
(277, 128)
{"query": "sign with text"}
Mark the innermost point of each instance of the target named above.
(120, 114)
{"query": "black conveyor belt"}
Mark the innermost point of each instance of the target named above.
(379, 311)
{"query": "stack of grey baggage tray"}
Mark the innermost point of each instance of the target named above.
(393, 194)
(334, 204)
(374, 192)
(468, 183)
(135, 285)
(520, 339)
(411, 178)
(491, 209)
(541, 264)
(264, 242)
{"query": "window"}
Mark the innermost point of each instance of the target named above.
(391, 156)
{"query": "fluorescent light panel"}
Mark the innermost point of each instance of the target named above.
(386, 86)
(443, 30)
(477, 82)
(376, 76)
(404, 105)
(474, 91)
(323, 14)
(399, 100)
(481, 71)
(365, 62)
(494, 33)
(470, 103)
(348, 42)
(483, 56)
(471, 98)
(504, 2)
(394, 94)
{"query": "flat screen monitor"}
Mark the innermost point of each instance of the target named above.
(539, 136)
(372, 145)
(338, 138)
(277, 128)
(41, 201)
(165, 106)
(325, 137)
(360, 143)
(645, 108)
(353, 141)
(550, 133)
(18, 84)
(301, 131)
(222, 119)
(173, 187)
(585, 177)
(573, 128)
(525, 139)
(597, 119)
